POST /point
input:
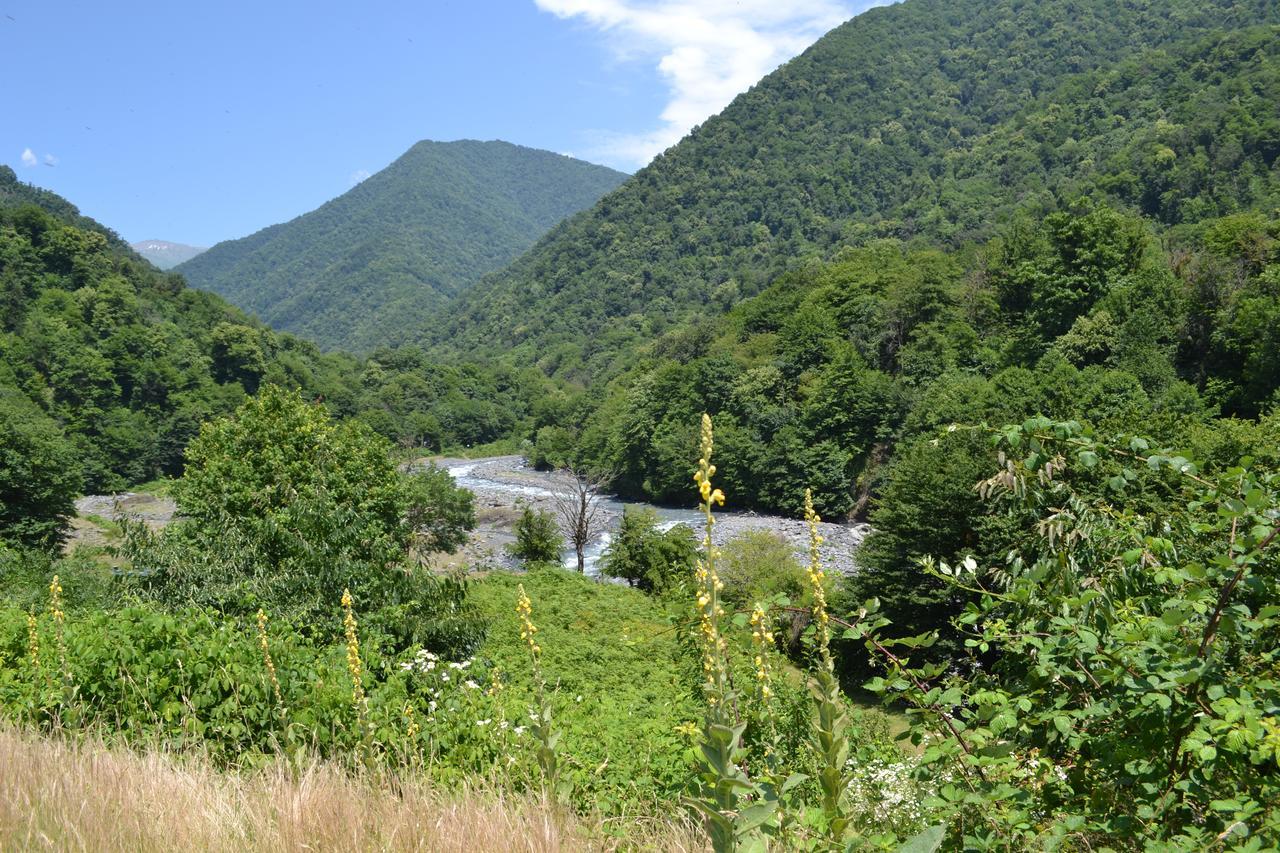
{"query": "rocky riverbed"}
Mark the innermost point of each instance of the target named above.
(504, 484)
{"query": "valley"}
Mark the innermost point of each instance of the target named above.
(889, 460)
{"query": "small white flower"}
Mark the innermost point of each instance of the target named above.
(579, 699)
(483, 722)
(470, 685)
(520, 730)
(503, 725)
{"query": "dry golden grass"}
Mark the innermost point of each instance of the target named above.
(62, 795)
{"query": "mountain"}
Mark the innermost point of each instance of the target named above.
(383, 259)
(166, 255)
(930, 120)
(126, 361)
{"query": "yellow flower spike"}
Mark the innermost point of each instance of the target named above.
(33, 641)
(817, 587)
(354, 665)
(267, 661)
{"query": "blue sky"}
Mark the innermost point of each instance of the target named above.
(203, 121)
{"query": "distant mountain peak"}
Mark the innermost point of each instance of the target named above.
(370, 267)
(164, 253)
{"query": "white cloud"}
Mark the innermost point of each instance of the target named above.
(50, 160)
(358, 175)
(708, 51)
(29, 157)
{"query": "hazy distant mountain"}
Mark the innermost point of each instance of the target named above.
(379, 261)
(164, 254)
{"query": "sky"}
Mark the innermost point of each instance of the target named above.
(197, 122)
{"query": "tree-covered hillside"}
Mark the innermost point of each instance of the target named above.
(379, 261)
(932, 119)
(123, 360)
(108, 366)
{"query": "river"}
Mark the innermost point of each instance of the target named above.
(502, 484)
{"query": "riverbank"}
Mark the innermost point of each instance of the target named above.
(503, 485)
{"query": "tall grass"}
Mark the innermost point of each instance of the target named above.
(83, 795)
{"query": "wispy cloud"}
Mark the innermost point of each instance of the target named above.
(707, 51)
(29, 157)
(50, 160)
(357, 176)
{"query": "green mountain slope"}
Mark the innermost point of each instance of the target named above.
(126, 361)
(384, 257)
(932, 119)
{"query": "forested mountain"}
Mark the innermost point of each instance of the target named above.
(123, 360)
(112, 365)
(379, 261)
(933, 120)
(164, 254)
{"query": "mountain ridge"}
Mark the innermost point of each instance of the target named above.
(357, 271)
(880, 129)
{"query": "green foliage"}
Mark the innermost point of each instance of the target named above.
(1133, 697)
(126, 360)
(440, 514)
(643, 556)
(538, 537)
(937, 120)
(39, 478)
(281, 507)
(758, 565)
(371, 266)
(618, 677)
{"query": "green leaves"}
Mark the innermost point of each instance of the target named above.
(1130, 683)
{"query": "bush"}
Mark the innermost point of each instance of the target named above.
(39, 475)
(757, 565)
(284, 509)
(86, 583)
(538, 538)
(647, 558)
(440, 514)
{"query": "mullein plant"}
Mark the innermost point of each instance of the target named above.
(542, 729)
(355, 668)
(60, 642)
(734, 809)
(270, 665)
(776, 778)
(830, 725)
(33, 642)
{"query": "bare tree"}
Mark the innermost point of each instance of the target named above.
(580, 508)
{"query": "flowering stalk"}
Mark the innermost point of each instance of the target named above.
(33, 642)
(355, 668)
(60, 641)
(733, 807)
(270, 664)
(411, 727)
(543, 731)
(762, 645)
(830, 740)
(709, 585)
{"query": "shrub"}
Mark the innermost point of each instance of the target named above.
(757, 565)
(39, 475)
(647, 558)
(538, 538)
(440, 514)
(282, 507)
